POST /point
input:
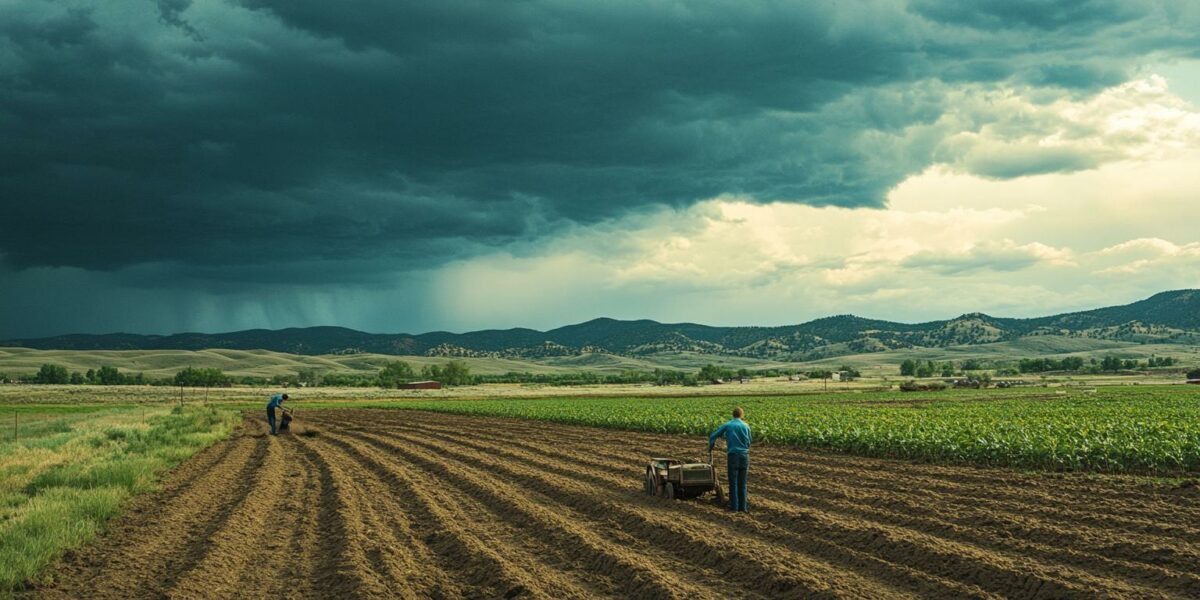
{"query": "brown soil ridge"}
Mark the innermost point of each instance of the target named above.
(398, 504)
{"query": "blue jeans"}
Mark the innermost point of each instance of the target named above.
(271, 418)
(739, 465)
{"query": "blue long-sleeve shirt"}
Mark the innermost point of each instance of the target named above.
(275, 400)
(737, 436)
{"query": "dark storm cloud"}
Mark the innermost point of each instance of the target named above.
(349, 135)
(171, 13)
(1033, 14)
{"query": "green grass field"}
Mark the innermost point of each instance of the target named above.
(1140, 429)
(70, 469)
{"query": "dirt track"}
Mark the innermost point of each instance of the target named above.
(401, 504)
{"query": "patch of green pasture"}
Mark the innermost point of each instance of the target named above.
(58, 489)
(63, 409)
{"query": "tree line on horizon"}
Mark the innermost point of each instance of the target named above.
(395, 373)
(456, 373)
(1070, 364)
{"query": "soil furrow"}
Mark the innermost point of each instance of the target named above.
(738, 554)
(1002, 577)
(640, 578)
(447, 532)
(1016, 574)
(296, 579)
(1047, 545)
(225, 568)
(827, 550)
(353, 551)
(500, 552)
(1088, 548)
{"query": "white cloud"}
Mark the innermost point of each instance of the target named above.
(1147, 255)
(1002, 133)
(948, 242)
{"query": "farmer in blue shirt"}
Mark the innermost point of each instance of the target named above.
(276, 402)
(737, 443)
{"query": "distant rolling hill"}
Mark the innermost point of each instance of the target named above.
(1166, 318)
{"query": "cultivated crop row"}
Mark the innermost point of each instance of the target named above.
(1118, 429)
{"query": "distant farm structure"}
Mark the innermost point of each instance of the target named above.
(420, 385)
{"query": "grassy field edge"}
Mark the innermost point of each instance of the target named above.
(59, 487)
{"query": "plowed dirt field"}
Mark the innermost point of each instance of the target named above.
(393, 504)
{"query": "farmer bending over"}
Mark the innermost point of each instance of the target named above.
(737, 443)
(276, 402)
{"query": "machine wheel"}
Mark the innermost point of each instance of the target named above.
(669, 491)
(649, 483)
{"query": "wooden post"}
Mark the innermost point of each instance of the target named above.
(16, 421)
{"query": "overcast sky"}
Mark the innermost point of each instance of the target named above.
(212, 165)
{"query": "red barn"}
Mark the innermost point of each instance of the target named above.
(421, 385)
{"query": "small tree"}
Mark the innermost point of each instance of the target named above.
(713, 373)
(109, 376)
(210, 377)
(1193, 374)
(77, 378)
(394, 373)
(188, 377)
(453, 373)
(456, 373)
(908, 368)
(52, 373)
